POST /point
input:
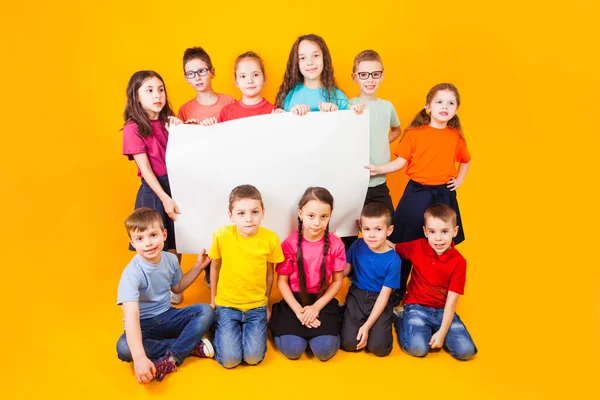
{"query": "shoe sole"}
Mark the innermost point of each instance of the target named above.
(209, 350)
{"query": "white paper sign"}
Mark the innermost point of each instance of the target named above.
(280, 154)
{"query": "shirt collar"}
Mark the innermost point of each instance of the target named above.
(451, 252)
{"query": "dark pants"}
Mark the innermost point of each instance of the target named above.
(359, 304)
(380, 193)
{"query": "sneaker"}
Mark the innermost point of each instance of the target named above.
(164, 365)
(204, 349)
(207, 275)
(176, 298)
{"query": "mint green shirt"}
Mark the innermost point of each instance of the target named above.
(382, 117)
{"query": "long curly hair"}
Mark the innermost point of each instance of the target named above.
(321, 195)
(422, 118)
(293, 76)
(134, 110)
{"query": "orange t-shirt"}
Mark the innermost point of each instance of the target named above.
(193, 109)
(432, 154)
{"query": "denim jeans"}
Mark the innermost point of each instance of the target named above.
(240, 335)
(418, 324)
(177, 330)
(323, 347)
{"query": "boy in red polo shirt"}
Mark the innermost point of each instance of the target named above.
(429, 320)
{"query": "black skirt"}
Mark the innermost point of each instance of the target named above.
(408, 219)
(147, 198)
(285, 322)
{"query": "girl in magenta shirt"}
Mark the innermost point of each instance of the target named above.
(309, 278)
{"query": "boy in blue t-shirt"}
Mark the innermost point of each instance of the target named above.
(368, 317)
(157, 336)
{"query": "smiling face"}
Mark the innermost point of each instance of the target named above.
(247, 214)
(439, 234)
(149, 243)
(152, 97)
(249, 78)
(370, 85)
(310, 61)
(198, 67)
(315, 216)
(375, 232)
(442, 108)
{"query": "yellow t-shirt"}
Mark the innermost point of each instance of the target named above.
(243, 276)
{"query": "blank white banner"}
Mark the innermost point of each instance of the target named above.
(280, 154)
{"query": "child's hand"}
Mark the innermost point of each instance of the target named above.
(300, 109)
(437, 340)
(372, 169)
(203, 260)
(171, 208)
(173, 120)
(362, 337)
(314, 324)
(358, 108)
(278, 111)
(212, 304)
(208, 121)
(327, 107)
(144, 370)
(192, 121)
(310, 313)
(454, 183)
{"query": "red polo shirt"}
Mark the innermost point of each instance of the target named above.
(432, 276)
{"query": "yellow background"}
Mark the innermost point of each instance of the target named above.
(528, 76)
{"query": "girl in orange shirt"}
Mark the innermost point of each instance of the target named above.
(432, 145)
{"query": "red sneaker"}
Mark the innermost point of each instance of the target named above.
(164, 365)
(204, 349)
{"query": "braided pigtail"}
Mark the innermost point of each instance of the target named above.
(323, 279)
(300, 263)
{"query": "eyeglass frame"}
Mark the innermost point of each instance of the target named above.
(368, 75)
(200, 72)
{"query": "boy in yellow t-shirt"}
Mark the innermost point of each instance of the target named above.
(241, 276)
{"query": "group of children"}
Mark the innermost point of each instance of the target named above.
(312, 263)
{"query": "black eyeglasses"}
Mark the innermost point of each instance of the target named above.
(200, 72)
(365, 75)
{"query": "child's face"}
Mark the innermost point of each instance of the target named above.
(197, 68)
(443, 106)
(310, 59)
(375, 232)
(439, 234)
(149, 243)
(152, 96)
(369, 85)
(249, 78)
(247, 214)
(315, 217)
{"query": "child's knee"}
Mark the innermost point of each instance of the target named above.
(416, 346)
(324, 348)
(380, 349)
(229, 359)
(205, 316)
(291, 348)
(123, 351)
(349, 343)
(463, 350)
(254, 358)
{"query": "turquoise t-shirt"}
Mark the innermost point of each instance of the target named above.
(312, 97)
(382, 117)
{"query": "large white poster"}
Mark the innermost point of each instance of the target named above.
(280, 154)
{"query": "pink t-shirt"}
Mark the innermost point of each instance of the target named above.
(155, 145)
(240, 110)
(312, 254)
(193, 109)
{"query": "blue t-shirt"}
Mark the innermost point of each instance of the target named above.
(312, 97)
(149, 284)
(373, 270)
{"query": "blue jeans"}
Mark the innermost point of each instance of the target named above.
(323, 347)
(418, 324)
(240, 335)
(177, 330)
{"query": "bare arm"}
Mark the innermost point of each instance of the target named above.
(347, 270)
(437, 340)
(392, 166)
(286, 291)
(189, 277)
(215, 268)
(171, 208)
(269, 287)
(394, 134)
(380, 304)
(143, 367)
(455, 183)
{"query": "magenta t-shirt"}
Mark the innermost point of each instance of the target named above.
(155, 145)
(240, 110)
(312, 254)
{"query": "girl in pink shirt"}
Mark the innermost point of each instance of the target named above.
(309, 278)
